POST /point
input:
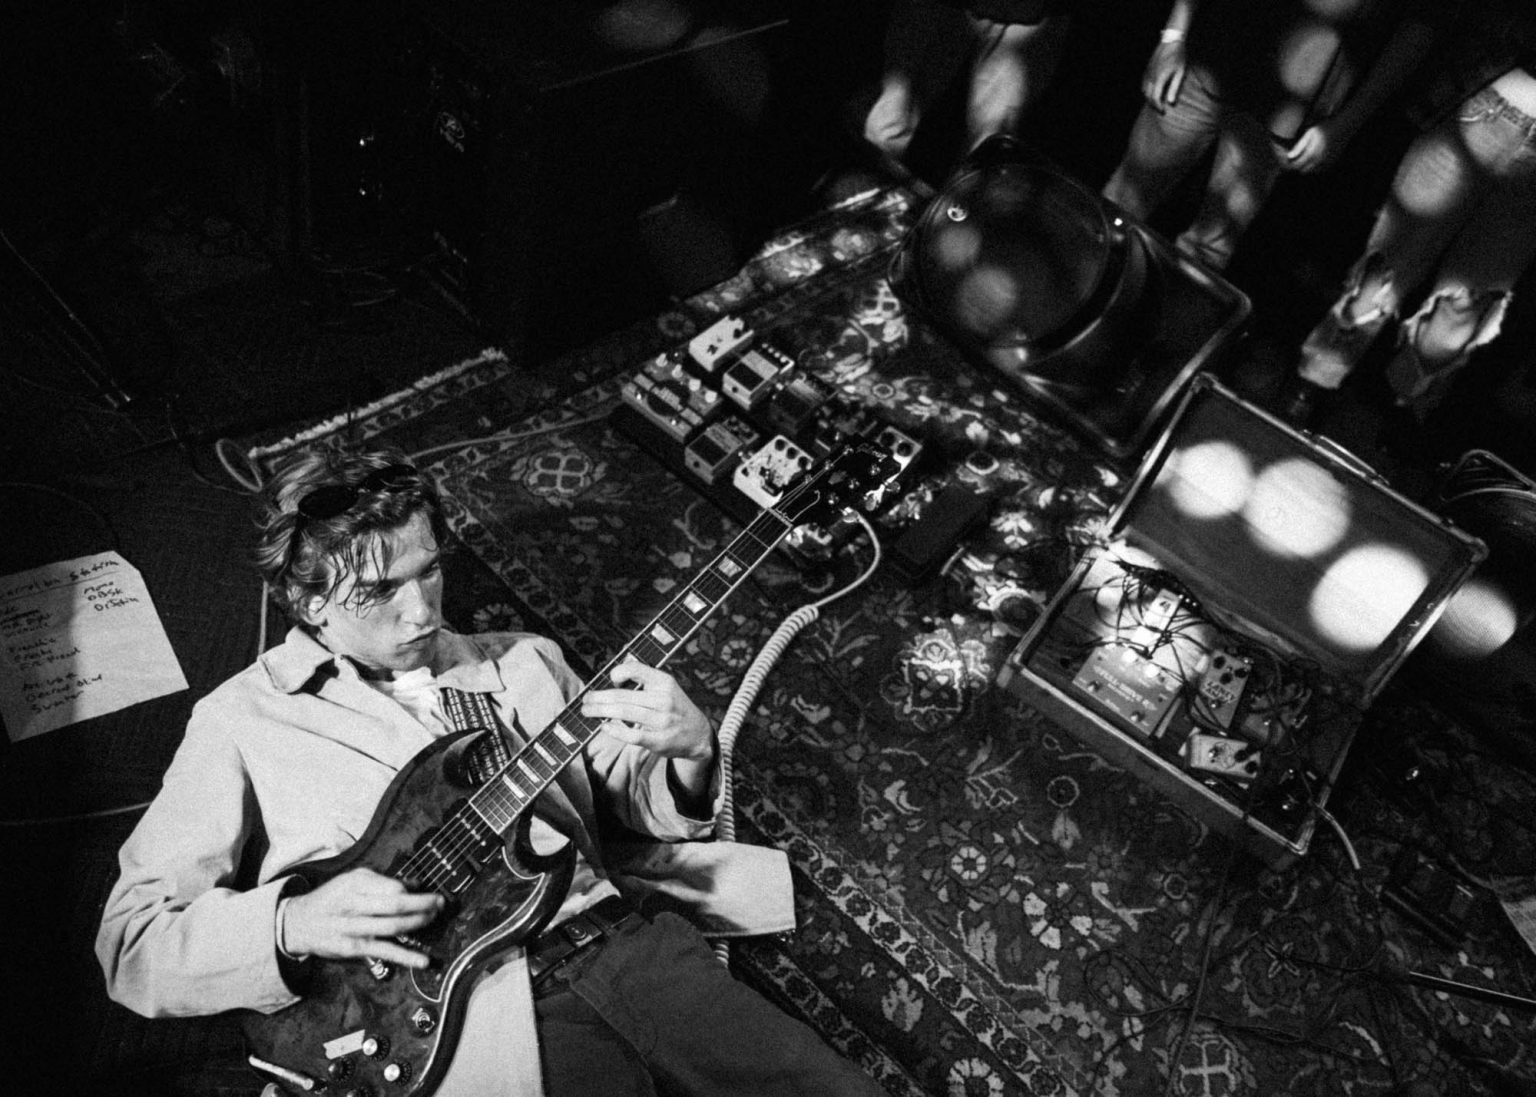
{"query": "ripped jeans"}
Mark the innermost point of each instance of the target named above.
(1461, 220)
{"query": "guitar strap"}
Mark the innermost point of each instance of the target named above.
(497, 1052)
(474, 712)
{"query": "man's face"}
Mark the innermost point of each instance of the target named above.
(388, 622)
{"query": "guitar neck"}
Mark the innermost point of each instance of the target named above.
(516, 785)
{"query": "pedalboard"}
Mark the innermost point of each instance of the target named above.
(734, 410)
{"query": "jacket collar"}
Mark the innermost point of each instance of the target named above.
(459, 662)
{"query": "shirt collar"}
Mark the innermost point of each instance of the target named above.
(460, 662)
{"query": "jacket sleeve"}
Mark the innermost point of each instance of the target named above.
(629, 780)
(176, 937)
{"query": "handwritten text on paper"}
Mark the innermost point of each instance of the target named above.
(79, 639)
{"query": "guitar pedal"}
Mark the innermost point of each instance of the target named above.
(718, 340)
(794, 401)
(1217, 754)
(719, 447)
(671, 398)
(1127, 684)
(764, 475)
(748, 376)
(1221, 688)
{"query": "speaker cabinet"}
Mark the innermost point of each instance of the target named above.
(574, 166)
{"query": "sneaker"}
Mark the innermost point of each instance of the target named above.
(1301, 403)
(1333, 348)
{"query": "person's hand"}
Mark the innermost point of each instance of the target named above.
(653, 713)
(1164, 78)
(359, 913)
(1316, 148)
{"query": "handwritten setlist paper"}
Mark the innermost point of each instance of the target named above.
(79, 639)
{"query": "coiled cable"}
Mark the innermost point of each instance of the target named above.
(752, 683)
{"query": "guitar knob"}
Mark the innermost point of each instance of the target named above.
(376, 1047)
(358, 1091)
(339, 1069)
(398, 1072)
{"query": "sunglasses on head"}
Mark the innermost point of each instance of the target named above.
(334, 500)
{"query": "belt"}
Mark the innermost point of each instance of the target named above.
(560, 944)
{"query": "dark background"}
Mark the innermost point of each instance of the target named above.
(163, 151)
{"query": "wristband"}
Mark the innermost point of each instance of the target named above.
(1170, 34)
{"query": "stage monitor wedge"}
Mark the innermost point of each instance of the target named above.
(1032, 275)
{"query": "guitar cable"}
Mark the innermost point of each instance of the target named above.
(752, 682)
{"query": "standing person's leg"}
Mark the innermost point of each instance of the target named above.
(1431, 197)
(1164, 146)
(1014, 64)
(1474, 284)
(924, 50)
(1242, 177)
(656, 998)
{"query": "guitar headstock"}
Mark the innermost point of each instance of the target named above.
(857, 477)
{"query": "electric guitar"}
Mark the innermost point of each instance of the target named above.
(369, 1027)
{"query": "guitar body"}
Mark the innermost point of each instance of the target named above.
(499, 892)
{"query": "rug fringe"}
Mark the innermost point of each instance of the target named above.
(337, 422)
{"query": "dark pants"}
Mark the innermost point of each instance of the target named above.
(652, 1011)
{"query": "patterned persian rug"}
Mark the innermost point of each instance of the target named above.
(986, 907)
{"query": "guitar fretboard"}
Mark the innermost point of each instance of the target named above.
(515, 786)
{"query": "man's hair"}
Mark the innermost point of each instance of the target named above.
(302, 558)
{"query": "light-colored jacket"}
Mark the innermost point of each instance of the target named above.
(286, 762)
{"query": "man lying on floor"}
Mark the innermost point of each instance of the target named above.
(288, 761)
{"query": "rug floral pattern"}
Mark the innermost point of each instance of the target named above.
(986, 906)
